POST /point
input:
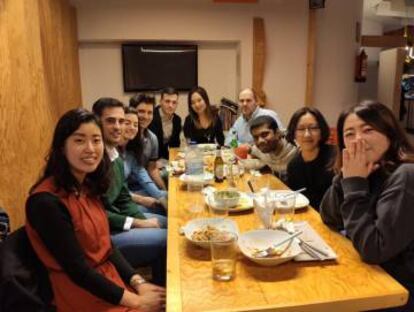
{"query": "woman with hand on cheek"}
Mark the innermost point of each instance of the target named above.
(371, 198)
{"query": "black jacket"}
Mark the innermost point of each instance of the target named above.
(156, 127)
(24, 281)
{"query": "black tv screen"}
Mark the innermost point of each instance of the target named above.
(151, 67)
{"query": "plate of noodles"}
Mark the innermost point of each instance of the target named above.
(201, 231)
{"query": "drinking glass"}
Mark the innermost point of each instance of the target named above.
(195, 204)
(285, 206)
(223, 256)
(233, 175)
(264, 207)
(218, 210)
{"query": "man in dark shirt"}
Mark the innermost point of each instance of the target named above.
(166, 123)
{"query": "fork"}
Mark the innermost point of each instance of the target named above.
(271, 249)
(310, 249)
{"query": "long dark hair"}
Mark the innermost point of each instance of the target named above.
(136, 146)
(211, 114)
(57, 166)
(381, 118)
(294, 120)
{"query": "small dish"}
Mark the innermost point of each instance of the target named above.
(252, 241)
(221, 224)
(245, 202)
(226, 198)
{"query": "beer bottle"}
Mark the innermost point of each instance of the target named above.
(218, 166)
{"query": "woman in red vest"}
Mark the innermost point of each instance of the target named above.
(68, 227)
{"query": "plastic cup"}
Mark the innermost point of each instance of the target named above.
(263, 208)
(218, 211)
(195, 206)
(285, 206)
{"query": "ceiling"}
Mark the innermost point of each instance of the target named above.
(391, 14)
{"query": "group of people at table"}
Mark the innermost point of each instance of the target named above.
(100, 209)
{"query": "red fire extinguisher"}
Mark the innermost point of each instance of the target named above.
(361, 66)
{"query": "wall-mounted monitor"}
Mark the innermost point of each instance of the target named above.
(151, 67)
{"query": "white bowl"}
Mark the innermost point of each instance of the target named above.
(219, 223)
(245, 201)
(204, 178)
(207, 147)
(251, 241)
(227, 202)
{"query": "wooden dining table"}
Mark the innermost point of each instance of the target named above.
(344, 284)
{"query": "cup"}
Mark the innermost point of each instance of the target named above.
(264, 208)
(218, 210)
(285, 206)
(223, 256)
(233, 175)
(195, 205)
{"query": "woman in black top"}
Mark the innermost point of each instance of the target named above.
(68, 227)
(371, 198)
(202, 125)
(311, 167)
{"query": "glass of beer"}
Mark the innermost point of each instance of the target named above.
(223, 256)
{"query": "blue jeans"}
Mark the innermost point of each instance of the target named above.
(156, 211)
(139, 181)
(145, 246)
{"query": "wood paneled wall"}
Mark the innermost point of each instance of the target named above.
(39, 80)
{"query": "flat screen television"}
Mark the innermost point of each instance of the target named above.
(151, 67)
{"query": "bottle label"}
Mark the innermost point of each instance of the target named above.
(219, 172)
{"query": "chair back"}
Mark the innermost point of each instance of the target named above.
(24, 281)
(4, 224)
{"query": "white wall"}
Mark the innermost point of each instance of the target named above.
(334, 77)
(101, 72)
(389, 78)
(286, 23)
(369, 88)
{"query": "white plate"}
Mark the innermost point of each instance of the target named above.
(301, 200)
(245, 202)
(219, 223)
(262, 239)
(204, 178)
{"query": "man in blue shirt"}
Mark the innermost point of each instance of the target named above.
(250, 110)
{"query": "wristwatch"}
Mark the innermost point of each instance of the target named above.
(137, 280)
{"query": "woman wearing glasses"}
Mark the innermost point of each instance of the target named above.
(311, 167)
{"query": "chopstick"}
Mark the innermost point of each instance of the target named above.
(313, 248)
(295, 192)
(249, 183)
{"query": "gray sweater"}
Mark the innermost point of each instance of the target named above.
(377, 214)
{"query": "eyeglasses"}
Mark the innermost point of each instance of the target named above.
(311, 129)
